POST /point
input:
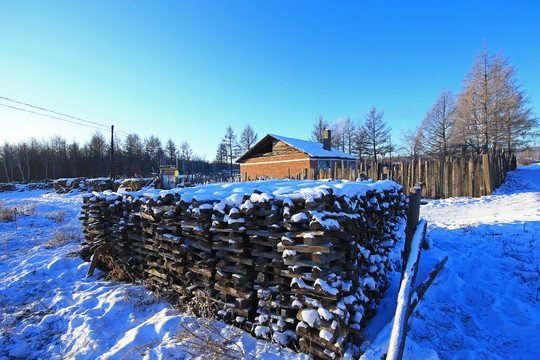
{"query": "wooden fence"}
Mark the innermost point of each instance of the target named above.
(470, 174)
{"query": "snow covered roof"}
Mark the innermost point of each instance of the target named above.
(311, 148)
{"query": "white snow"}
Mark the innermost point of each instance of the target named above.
(314, 149)
(326, 335)
(325, 314)
(326, 288)
(310, 317)
(296, 218)
(284, 190)
(288, 253)
(50, 310)
(485, 303)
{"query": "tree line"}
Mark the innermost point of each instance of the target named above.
(134, 156)
(492, 111)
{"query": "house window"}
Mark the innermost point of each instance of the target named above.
(325, 164)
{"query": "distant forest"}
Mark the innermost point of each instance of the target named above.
(56, 158)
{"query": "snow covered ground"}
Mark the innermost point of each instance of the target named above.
(484, 304)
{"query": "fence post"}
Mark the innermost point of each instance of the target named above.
(487, 175)
(413, 216)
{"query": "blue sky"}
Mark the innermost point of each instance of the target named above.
(186, 69)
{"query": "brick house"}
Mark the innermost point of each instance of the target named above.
(279, 157)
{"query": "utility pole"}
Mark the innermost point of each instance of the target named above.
(112, 174)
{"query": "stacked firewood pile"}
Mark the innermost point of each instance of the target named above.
(8, 187)
(65, 185)
(303, 265)
(135, 184)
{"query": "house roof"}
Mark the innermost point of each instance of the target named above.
(311, 148)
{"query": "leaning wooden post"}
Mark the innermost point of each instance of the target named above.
(413, 215)
(101, 249)
(399, 329)
(422, 288)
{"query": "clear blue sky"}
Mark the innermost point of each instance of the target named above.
(186, 69)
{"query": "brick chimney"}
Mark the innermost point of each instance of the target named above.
(327, 140)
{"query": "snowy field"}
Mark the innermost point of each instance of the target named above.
(485, 304)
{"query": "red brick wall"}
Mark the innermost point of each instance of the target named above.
(275, 166)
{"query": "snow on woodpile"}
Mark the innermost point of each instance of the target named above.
(299, 262)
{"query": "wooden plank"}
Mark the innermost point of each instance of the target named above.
(308, 249)
(320, 258)
(399, 329)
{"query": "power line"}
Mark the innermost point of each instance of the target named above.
(54, 112)
(78, 122)
(49, 116)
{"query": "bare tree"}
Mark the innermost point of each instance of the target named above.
(133, 150)
(74, 155)
(349, 136)
(248, 138)
(231, 146)
(342, 134)
(170, 148)
(6, 159)
(359, 145)
(154, 151)
(377, 132)
(492, 107)
(221, 154)
(411, 142)
(97, 148)
(133, 146)
(437, 125)
(185, 154)
(521, 128)
(317, 133)
(21, 156)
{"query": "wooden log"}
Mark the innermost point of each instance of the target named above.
(326, 248)
(399, 329)
(422, 288)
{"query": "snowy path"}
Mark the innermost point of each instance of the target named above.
(485, 304)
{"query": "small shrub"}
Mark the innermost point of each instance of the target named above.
(140, 298)
(57, 216)
(204, 337)
(141, 351)
(63, 236)
(116, 271)
(7, 213)
(201, 334)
